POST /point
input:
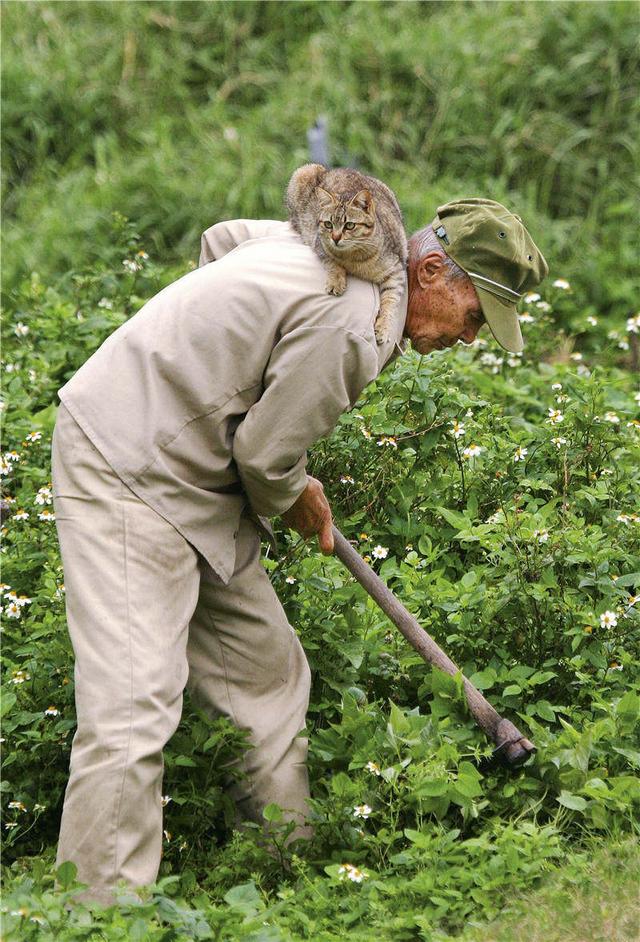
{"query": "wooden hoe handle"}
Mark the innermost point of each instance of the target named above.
(510, 743)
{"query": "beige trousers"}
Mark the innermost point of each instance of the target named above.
(147, 616)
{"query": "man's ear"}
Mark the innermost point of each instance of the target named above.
(429, 268)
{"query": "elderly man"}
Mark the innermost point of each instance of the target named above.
(174, 444)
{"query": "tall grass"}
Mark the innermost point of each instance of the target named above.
(182, 113)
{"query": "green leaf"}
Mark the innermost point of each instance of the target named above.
(467, 786)
(9, 699)
(457, 520)
(484, 680)
(245, 898)
(66, 874)
(575, 802)
(545, 710)
(628, 707)
(511, 690)
(443, 684)
(433, 788)
(272, 812)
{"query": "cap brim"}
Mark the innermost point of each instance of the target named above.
(502, 318)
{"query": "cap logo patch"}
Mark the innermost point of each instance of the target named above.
(441, 232)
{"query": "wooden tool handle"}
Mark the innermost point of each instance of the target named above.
(514, 747)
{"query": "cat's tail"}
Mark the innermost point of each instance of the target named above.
(301, 186)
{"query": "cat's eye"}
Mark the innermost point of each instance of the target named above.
(328, 225)
(349, 225)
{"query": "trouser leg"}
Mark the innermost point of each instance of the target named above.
(246, 662)
(131, 587)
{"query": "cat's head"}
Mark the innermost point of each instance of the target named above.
(345, 222)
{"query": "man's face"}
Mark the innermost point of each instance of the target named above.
(441, 310)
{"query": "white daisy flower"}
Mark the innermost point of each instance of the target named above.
(19, 677)
(562, 284)
(12, 610)
(164, 800)
(106, 303)
(543, 306)
(380, 552)
(352, 873)
(347, 479)
(608, 620)
(555, 417)
(52, 711)
(520, 453)
(472, 451)
(559, 441)
(46, 515)
(34, 436)
(130, 264)
(373, 767)
(531, 297)
(633, 324)
(612, 417)
(362, 811)
(11, 456)
(20, 515)
(290, 580)
(17, 804)
(526, 318)
(576, 357)
(541, 535)
(43, 496)
(457, 429)
(21, 330)
(592, 321)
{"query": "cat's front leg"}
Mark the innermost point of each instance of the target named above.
(336, 282)
(391, 291)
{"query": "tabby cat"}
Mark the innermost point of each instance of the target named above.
(354, 224)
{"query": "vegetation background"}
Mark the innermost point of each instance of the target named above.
(178, 114)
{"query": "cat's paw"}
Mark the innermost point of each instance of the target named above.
(382, 327)
(336, 283)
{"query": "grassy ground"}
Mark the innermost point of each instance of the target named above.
(594, 900)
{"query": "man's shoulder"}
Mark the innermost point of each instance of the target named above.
(280, 268)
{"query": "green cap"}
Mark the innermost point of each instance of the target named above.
(495, 250)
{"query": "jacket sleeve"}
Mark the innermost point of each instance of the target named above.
(223, 237)
(314, 375)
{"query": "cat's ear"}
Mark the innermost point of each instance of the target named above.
(363, 200)
(325, 199)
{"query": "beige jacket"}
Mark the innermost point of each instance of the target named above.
(208, 397)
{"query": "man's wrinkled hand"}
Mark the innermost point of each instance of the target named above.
(311, 514)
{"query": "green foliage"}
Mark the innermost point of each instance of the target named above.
(529, 104)
(527, 571)
(493, 493)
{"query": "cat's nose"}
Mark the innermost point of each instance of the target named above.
(336, 236)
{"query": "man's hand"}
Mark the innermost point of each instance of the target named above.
(311, 514)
